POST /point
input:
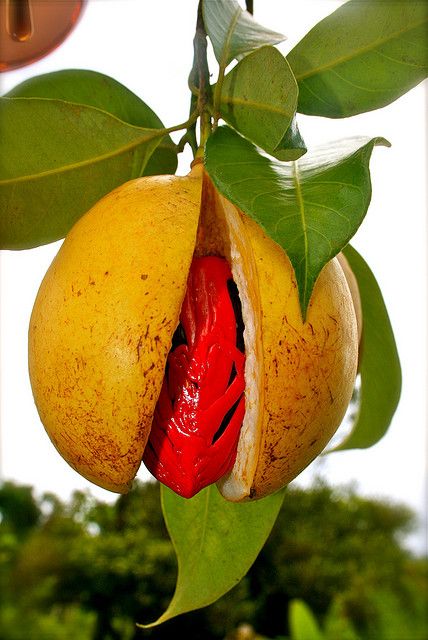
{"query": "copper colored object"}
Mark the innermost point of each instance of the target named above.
(30, 29)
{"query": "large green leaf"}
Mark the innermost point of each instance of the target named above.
(361, 57)
(233, 31)
(379, 363)
(260, 105)
(57, 159)
(216, 543)
(98, 90)
(311, 207)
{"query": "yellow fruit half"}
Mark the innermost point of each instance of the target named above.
(299, 376)
(102, 323)
(104, 318)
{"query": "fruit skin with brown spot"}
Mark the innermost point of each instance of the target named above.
(111, 302)
(103, 320)
(303, 374)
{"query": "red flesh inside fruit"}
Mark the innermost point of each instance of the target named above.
(198, 417)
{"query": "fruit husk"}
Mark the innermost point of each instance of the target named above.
(299, 375)
(103, 321)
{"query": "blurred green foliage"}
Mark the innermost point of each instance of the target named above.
(335, 562)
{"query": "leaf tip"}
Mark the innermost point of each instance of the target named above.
(382, 142)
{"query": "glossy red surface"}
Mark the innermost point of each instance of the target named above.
(201, 406)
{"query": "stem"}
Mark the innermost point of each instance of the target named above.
(217, 94)
(249, 6)
(200, 78)
(183, 125)
(189, 136)
(160, 133)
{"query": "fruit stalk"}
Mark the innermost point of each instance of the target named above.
(202, 79)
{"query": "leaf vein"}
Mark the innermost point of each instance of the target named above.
(256, 105)
(365, 49)
(398, 61)
(83, 163)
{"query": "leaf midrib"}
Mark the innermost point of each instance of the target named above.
(301, 207)
(371, 47)
(178, 595)
(256, 105)
(88, 161)
(228, 39)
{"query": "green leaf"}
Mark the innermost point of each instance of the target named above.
(260, 105)
(311, 208)
(303, 624)
(379, 364)
(216, 542)
(292, 146)
(98, 90)
(361, 57)
(233, 31)
(57, 160)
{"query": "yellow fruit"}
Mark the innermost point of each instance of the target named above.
(102, 323)
(299, 376)
(104, 318)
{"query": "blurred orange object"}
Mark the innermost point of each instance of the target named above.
(30, 29)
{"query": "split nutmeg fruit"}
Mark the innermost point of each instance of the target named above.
(168, 330)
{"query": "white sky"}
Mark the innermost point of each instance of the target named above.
(148, 47)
